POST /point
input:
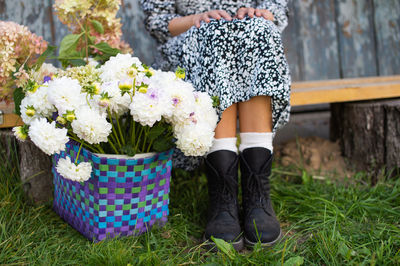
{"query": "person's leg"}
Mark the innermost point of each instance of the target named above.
(221, 166)
(225, 132)
(255, 122)
(255, 115)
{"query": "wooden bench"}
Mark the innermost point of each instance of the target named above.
(365, 118)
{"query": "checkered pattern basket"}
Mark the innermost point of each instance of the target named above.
(122, 197)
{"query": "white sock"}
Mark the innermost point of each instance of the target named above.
(224, 144)
(255, 139)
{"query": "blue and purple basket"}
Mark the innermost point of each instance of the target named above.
(123, 196)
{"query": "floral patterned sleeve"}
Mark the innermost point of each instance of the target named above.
(278, 8)
(158, 15)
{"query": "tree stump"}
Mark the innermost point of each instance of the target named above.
(368, 133)
(35, 168)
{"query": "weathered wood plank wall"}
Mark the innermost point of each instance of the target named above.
(325, 38)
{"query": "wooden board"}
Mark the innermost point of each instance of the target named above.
(348, 90)
(291, 44)
(134, 32)
(318, 48)
(387, 25)
(355, 29)
(9, 118)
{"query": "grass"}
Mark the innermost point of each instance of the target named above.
(324, 221)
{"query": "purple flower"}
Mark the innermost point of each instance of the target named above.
(175, 101)
(153, 93)
(46, 79)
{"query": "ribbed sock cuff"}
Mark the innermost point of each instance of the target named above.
(256, 139)
(224, 144)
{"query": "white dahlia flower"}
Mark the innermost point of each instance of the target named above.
(28, 111)
(41, 103)
(47, 137)
(91, 126)
(117, 68)
(65, 94)
(183, 103)
(69, 170)
(118, 104)
(195, 139)
(148, 108)
(20, 132)
(204, 111)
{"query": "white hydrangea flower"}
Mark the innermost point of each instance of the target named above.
(117, 67)
(148, 108)
(47, 137)
(69, 170)
(65, 94)
(118, 103)
(195, 139)
(91, 126)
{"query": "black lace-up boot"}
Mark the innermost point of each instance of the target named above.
(260, 222)
(223, 214)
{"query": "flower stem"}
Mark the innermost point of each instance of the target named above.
(138, 139)
(79, 151)
(112, 146)
(133, 131)
(149, 147)
(86, 42)
(113, 128)
(145, 139)
(119, 130)
(100, 148)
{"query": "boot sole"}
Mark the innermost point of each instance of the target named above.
(251, 244)
(210, 245)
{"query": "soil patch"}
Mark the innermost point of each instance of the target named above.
(316, 155)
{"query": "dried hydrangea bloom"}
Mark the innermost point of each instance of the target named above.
(104, 11)
(18, 47)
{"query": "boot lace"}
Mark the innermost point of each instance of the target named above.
(257, 188)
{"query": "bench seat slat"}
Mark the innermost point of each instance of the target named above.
(345, 90)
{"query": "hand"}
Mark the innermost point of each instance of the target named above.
(251, 12)
(207, 16)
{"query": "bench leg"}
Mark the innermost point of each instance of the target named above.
(35, 168)
(368, 133)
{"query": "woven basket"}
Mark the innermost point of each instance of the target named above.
(122, 197)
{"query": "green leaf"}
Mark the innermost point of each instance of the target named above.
(161, 144)
(97, 26)
(225, 247)
(128, 150)
(155, 132)
(77, 62)
(68, 45)
(106, 49)
(294, 261)
(307, 179)
(49, 52)
(18, 96)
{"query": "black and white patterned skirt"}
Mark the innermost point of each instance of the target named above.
(235, 60)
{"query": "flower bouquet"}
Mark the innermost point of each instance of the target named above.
(111, 129)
